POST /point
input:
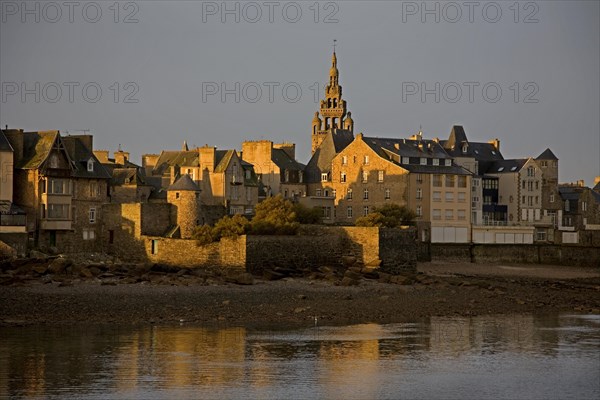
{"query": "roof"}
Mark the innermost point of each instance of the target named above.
(332, 144)
(125, 176)
(171, 158)
(222, 159)
(284, 161)
(478, 150)
(4, 143)
(597, 187)
(36, 148)
(80, 154)
(547, 155)
(406, 147)
(184, 183)
(506, 166)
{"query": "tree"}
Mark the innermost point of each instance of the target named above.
(203, 235)
(305, 215)
(389, 216)
(230, 227)
(274, 216)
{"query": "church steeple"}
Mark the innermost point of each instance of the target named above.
(332, 109)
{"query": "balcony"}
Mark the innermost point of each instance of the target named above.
(55, 225)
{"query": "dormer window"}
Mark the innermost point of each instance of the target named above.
(465, 147)
(90, 165)
(448, 162)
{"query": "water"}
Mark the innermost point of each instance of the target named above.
(533, 357)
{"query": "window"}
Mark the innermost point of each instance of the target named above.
(111, 236)
(154, 249)
(366, 160)
(544, 164)
(326, 212)
(366, 210)
(287, 175)
(583, 206)
(387, 194)
(318, 193)
(420, 193)
(551, 197)
(461, 197)
(349, 194)
(530, 171)
(523, 200)
(449, 196)
(343, 177)
(437, 181)
(437, 196)
(58, 211)
(537, 185)
(567, 206)
(423, 161)
(285, 193)
(90, 165)
(326, 193)
(89, 234)
(365, 176)
(366, 194)
(462, 181)
(437, 214)
(94, 189)
(344, 160)
(436, 161)
(465, 147)
(449, 214)
(248, 174)
(43, 184)
(523, 184)
(448, 162)
(405, 160)
(419, 178)
(58, 186)
(300, 176)
(176, 195)
(419, 211)
(380, 176)
(92, 215)
(537, 200)
(462, 215)
(349, 212)
(324, 176)
(333, 192)
(450, 180)
(540, 235)
(487, 200)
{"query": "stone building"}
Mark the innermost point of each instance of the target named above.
(276, 168)
(228, 184)
(127, 183)
(580, 215)
(61, 186)
(13, 219)
(184, 197)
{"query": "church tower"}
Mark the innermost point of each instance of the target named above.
(332, 111)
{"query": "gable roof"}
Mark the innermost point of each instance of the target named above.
(284, 161)
(184, 183)
(80, 155)
(480, 151)
(125, 176)
(4, 143)
(36, 148)
(406, 147)
(332, 144)
(171, 158)
(547, 155)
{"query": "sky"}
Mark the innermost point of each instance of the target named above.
(148, 75)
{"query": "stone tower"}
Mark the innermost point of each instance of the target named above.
(184, 196)
(332, 111)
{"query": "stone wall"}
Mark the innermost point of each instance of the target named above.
(574, 255)
(228, 253)
(16, 241)
(398, 250)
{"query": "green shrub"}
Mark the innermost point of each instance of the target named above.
(388, 216)
(230, 227)
(305, 215)
(274, 216)
(203, 235)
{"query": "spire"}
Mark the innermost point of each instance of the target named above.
(185, 147)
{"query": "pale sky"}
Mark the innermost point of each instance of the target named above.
(544, 56)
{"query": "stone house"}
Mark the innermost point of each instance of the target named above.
(128, 183)
(228, 184)
(276, 168)
(581, 214)
(61, 186)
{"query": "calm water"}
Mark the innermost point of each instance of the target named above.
(534, 357)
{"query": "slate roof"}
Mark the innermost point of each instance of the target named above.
(125, 176)
(4, 143)
(171, 158)
(406, 147)
(505, 166)
(479, 150)
(222, 159)
(284, 161)
(597, 187)
(547, 155)
(184, 183)
(80, 155)
(332, 144)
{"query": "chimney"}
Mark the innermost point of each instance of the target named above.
(149, 162)
(596, 180)
(495, 143)
(207, 158)
(581, 183)
(121, 157)
(102, 156)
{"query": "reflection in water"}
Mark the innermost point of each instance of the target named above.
(482, 357)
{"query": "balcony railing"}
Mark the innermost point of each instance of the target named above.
(13, 220)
